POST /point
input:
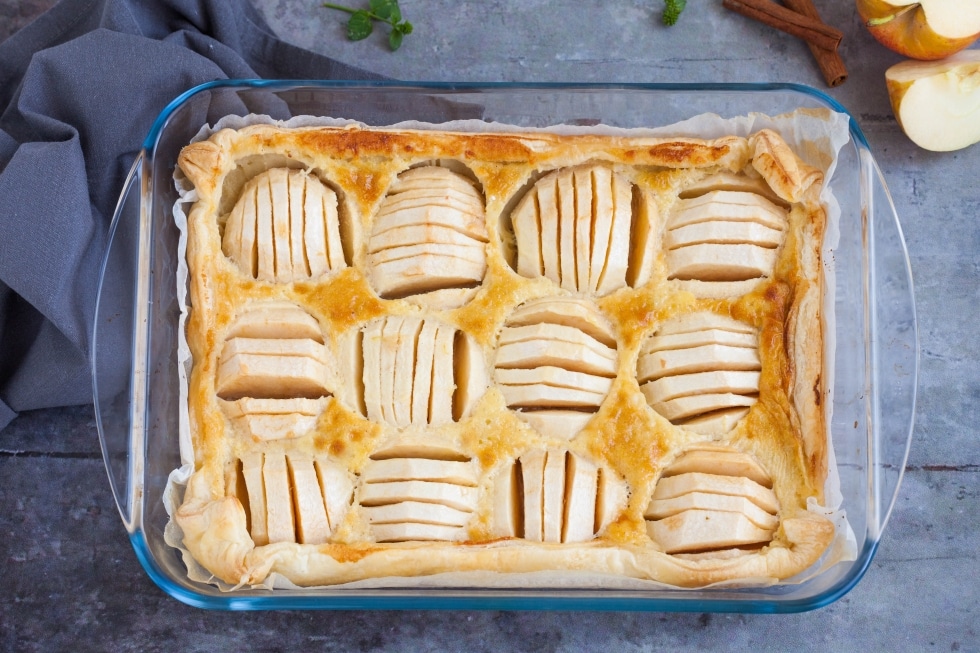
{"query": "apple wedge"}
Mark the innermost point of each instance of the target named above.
(714, 459)
(937, 103)
(701, 530)
(507, 503)
(715, 423)
(278, 500)
(555, 377)
(277, 427)
(310, 511)
(417, 512)
(735, 486)
(575, 312)
(275, 320)
(927, 29)
(553, 491)
(443, 385)
(336, 488)
(390, 470)
(723, 337)
(422, 382)
(679, 409)
(696, 359)
(459, 497)
(581, 492)
(702, 320)
(416, 532)
(556, 423)
(255, 492)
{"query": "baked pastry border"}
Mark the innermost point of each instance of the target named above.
(804, 532)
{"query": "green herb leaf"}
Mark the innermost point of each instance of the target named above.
(361, 22)
(672, 11)
(395, 39)
(386, 10)
(359, 26)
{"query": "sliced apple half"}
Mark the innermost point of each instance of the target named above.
(274, 372)
(418, 493)
(555, 495)
(285, 226)
(555, 363)
(429, 237)
(405, 371)
(290, 498)
(720, 241)
(937, 103)
(275, 320)
(926, 29)
(712, 498)
(701, 371)
(587, 229)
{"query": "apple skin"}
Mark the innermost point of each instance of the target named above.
(943, 114)
(908, 34)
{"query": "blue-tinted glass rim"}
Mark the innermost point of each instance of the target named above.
(167, 111)
(452, 599)
(438, 599)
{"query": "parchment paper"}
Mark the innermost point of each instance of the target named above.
(816, 136)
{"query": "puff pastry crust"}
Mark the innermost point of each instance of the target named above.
(417, 352)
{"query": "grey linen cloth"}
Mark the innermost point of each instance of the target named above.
(79, 89)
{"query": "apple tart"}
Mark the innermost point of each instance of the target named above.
(423, 352)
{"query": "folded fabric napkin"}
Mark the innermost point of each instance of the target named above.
(79, 89)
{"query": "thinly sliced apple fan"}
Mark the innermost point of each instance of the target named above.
(554, 496)
(712, 499)
(429, 238)
(556, 360)
(586, 228)
(411, 371)
(285, 227)
(721, 243)
(701, 371)
(274, 372)
(289, 497)
(418, 492)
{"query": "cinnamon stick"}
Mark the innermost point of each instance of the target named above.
(800, 19)
(829, 61)
(786, 20)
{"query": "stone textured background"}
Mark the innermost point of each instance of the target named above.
(72, 581)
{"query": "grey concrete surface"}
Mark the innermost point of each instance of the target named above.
(72, 582)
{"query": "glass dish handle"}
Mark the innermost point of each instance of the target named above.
(894, 348)
(118, 358)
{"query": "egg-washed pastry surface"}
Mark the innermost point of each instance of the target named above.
(419, 352)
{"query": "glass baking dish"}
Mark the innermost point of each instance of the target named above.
(134, 368)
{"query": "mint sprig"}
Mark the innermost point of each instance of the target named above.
(361, 21)
(672, 11)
